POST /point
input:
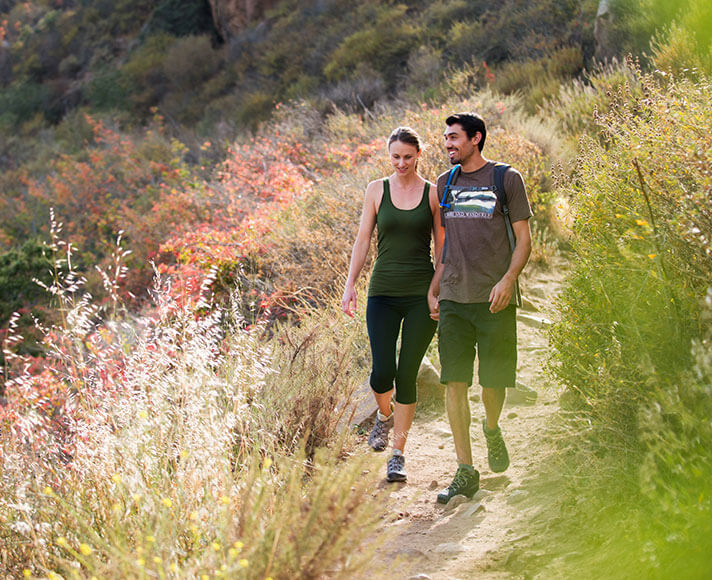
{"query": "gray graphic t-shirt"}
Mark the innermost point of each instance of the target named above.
(477, 251)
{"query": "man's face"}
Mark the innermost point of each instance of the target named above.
(459, 147)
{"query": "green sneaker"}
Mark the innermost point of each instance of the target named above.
(466, 482)
(497, 454)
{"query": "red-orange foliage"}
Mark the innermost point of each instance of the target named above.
(193, 229)
(106, 190)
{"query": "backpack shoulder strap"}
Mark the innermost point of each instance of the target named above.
(499, 170)
(454, 172)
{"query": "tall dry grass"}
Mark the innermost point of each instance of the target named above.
(188, 448)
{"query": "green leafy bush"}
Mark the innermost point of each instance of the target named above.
(384, 45)
(21, 101)
(108, 90)
(145, 74)
(632, 309)
(181, 18)
(18, 267)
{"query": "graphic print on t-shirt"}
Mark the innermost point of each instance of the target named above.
(471, 202)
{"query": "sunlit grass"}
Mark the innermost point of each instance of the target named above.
(181, 445)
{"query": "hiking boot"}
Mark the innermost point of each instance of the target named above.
(497, 454)
(378, 439)
(466, 482)
(396, 468)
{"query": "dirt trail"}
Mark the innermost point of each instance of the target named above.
(474, 539)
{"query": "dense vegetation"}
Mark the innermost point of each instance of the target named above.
(157, 387)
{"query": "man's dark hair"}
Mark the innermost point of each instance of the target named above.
(472, 123)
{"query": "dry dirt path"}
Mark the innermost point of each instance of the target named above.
(473, 539)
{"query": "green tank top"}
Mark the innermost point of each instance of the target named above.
(403, 266)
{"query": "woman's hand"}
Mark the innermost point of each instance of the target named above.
(433, 305)
(348, 302)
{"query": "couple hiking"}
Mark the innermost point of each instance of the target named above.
(478, 219)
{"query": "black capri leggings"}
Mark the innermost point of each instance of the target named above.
(384, 315)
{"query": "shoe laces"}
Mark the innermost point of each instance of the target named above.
(496, 443)
(380, 428)
(396, 463)
(461, 480)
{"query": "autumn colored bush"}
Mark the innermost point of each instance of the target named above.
(180, 444)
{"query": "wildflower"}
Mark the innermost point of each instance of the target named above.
(194, 515)
(205, 577)
(116, 508)
(233, 553)
(225, 499)
(61, 541)
(239, 545)
(157, 560)
(85, 549)
(641, 222)
(173, 567)
(150, 539)
(48, 491)
(140, 562)
(216, 546)
(116, 478)
(166, 501)
(267, 463)
(143, 414)
(136, 497)
(26, 573)
(244, 563)
(652, 256)
(54, 576)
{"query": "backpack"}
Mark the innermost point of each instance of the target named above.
(499, 170)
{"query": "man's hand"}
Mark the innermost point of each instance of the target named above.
(501, 294)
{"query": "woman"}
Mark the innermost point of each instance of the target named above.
(404, 207)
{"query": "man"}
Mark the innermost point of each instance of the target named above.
(473, 292)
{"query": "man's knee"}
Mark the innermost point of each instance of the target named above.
(457, 390)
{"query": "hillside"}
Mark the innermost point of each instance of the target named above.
(202, 62)
(173, 85)
(177, 211)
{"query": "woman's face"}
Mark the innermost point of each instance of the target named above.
(403, 157)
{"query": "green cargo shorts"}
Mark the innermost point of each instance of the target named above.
(466, 329)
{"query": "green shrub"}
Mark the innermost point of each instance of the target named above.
(18, 269)
(538, 80)
(255, 108)
(181, 18)
(384, 45)
(145, 75)
(575, 108)
(683, 53)
(22, 101)
(631, 310)
(108, 90)
(188, 64)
